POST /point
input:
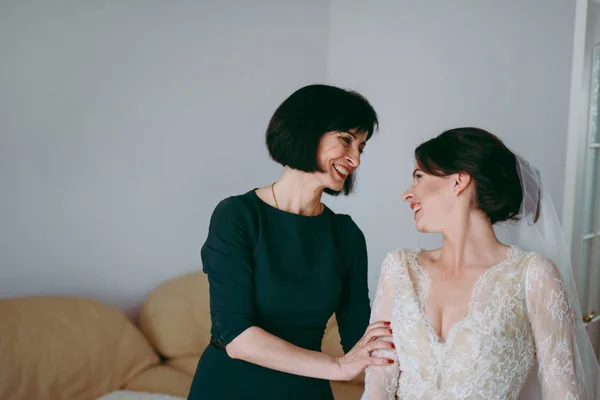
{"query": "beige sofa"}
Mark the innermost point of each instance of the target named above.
(71, 348)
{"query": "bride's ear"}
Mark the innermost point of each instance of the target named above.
(460, 182)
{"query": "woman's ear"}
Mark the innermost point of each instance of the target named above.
(460, 182)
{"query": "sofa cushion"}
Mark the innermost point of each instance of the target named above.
(67, 348)
(176, 316)
(332, 343)
(131, 395)
(185, 364)
(162, 379)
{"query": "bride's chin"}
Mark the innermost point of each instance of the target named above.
(421, 228)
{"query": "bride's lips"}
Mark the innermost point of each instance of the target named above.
(416, 207)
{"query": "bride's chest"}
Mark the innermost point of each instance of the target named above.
(490, 311)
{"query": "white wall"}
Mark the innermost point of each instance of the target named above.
(123, 123)
(433, 65)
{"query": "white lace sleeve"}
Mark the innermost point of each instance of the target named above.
(552, 321)
(381, 382)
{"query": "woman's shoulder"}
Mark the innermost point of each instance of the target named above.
(238, 200)
(344, 221)
(238, 207)
(345, 226)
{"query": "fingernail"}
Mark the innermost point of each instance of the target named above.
(386, 323)
(390, 361)
(393, 346)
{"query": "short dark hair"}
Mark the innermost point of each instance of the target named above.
(299, 122)
(483, 156)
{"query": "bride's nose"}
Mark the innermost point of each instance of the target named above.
(408, 195)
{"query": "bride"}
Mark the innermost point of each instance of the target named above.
(472, 319)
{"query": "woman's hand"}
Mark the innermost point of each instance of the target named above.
(356, 360)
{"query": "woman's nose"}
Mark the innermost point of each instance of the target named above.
(353, 158)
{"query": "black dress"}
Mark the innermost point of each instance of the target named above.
(286, 274)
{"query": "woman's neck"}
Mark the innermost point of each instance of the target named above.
(298, 192)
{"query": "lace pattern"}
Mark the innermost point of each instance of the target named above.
(518, 311)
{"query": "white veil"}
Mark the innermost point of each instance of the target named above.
(538, 229)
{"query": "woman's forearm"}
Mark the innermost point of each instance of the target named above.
(257, 346)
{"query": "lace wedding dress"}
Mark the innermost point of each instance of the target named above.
(518, 314)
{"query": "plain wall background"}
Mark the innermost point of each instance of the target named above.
(123, 124)
(428, 66)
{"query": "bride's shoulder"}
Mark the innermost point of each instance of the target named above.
(531, 258)
(399, 254)
(401, 257)
(537, 265)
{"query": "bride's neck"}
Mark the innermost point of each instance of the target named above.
(471, 241)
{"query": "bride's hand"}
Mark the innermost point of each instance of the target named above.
(356, 360)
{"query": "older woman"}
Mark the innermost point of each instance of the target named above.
(280, 262)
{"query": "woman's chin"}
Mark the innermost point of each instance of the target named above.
(336, 186)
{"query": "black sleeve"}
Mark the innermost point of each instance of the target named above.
(227, 260)
(354, 308)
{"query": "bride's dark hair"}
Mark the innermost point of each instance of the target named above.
(484, 157)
